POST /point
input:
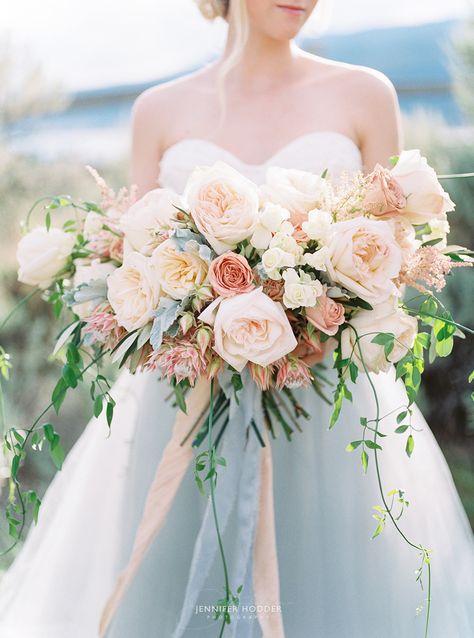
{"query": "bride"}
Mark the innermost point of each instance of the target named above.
(264, 102)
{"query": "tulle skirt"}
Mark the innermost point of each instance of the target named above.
(335, 580)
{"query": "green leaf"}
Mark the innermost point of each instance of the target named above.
(180, 398)
(445, 347)
(15, 466)
(378, 530)
(382, 338)
(372, 445)
(109, 413)
(471, 377)
(402, 416)
(410, 445)
(365, 460)
(401, 429)
(69, 376)
(59, 394)
(237, 385)
(350, 447)
(98, 404)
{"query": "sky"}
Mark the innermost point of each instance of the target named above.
(92, 43)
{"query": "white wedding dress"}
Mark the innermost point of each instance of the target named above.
(335, 581)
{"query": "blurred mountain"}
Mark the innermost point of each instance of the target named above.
(416, 58)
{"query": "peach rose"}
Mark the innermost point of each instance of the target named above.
(384, 197)
(327, 315)
(230, 274)
(426, 198)
(298, 191)
(364, 257)
(249, 327)
(223, 204)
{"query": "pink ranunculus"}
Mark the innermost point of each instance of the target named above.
(327, 315)
(230, 274)
(384, 196)
(249, 328)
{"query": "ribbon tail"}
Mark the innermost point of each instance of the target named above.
(169, 474)
(266, 581)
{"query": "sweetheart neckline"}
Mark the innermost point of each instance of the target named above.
(272, 158)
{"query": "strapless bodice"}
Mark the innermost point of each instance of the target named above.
(313, 152)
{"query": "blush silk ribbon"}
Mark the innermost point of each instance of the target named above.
(246, 483)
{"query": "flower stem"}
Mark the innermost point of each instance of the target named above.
(212, 451)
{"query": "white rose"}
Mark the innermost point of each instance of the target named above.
(288, 244)
(271, 219)
(364, 257)
(386, 317)
(134, 291)
(179, 272)
(154, 212)
(318, 259)
(425, 196)
(42, 255)
(274, 259)
(85, 273)
(300, 289)
(224, 205)
(249, 327)
(318, 225)
(298, 191)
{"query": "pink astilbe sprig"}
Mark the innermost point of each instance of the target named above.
(109, 199)
(292, 373)
(102, 327)
(430, 266)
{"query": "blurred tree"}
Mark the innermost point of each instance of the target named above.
(25, 88)
(463, 66)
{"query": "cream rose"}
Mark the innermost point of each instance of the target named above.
(385, 317)
(249, 327)
(318, 224)
(298, 191)
(364, 257)
(85, 273)
(179, 272)
(134, 291)
(154, 212)
(42, 254)
(224, 205)
(300, 289)
(425, 197)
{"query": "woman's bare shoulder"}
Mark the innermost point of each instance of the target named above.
(162, 100)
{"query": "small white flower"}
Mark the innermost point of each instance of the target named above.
(318, 259)
(287, 244)
(439, 230)
(274, 259)
(318, 225)
(271, 219)
(300, 289)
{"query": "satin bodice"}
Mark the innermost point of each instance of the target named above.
(313, 152)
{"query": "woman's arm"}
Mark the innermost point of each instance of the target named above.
(146, 143)
(378, 119)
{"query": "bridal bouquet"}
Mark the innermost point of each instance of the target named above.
(233, 283)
